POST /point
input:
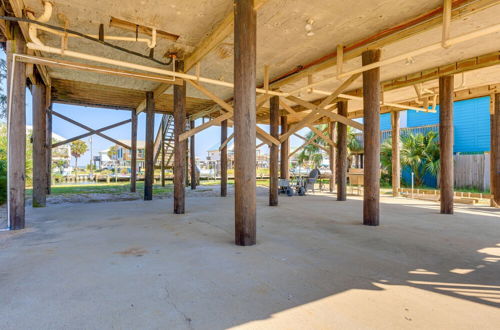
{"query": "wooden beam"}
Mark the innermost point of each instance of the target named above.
(371, 120)
(49, 141)
(446, 143)
(180, 146)
(287, 108)
(223, 159)
(16, 133)
(245, 37)
(215, 121)
(331, 155)
(39, 154)
(396, 156)
(311, 141)
(133, 152)
(137, 28)
(226, 141)
(274, 118)
(329, 99)
(321, 135)
(93, 131)
(149, 152)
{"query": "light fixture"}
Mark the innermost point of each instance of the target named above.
(309, 27)
(409, 60)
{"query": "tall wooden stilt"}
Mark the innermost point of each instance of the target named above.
(39, 153)
(244, 121)
(162, 150)
(492, 151)
(149, 156)
(179, 147)
(223, 160)
(274, 122)
(284, 150)
(133, 153)
(331, 155)
(192, 157)
(16, 132)
(495, 142)
(341, 170)
(371, 120)
(396, 157)
(446, 143)
(49, 144)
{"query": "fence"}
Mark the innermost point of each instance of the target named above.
(472, 171)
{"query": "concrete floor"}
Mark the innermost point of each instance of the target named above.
(134, 265)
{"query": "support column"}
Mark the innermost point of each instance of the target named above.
(192, 157)
(48, 136)
(284, 150)
(341, 170)
(274, 122)
(495, 143)
(223, 160)
(371, 120)
(133, 153)
(179, 147)
(446, 143)
(331, 155)
(39, 153)
(244, 121)
(396, 156)
(162, 150)
(16, 132)
(149, 155)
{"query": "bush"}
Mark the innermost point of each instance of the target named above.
(3, 181)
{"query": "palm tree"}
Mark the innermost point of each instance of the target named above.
(78, 148)
(421, 153)
(311, 153)
(112, 152)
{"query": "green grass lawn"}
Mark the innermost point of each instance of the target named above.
(102, 188)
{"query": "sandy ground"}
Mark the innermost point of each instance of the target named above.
(135, 265)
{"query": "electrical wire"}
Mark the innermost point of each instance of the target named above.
(83, 35)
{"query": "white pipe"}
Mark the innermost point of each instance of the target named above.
(134, 66)
(402, 57)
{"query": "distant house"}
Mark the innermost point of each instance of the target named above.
(123, 156)
(213, 157)
(61, 155)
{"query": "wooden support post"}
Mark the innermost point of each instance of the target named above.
(284, 150)
(162, 150)
(186, 165)
(133, 153)
(446, 143)
(223, 160)
(274, 118)
(495, 142)
(396, 156)
(179, 147)
(16, 131)
(150, 140)
(49, 144)
(245, 121)
(39, 153)
(371, 121)
(341, 170)
(192, 157)
(331, 155)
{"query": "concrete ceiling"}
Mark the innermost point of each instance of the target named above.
(282, 40)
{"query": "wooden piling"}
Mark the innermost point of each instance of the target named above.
(396, 156)
(179, 147)
(16, 131)
(192, 157)
(162, 150)
(149, 154)
(284, 150)
(331, 155)
(133, 152)
(48, 148)
(223, 160)
(245, 121)
(39, 152)
(274, 118)
(495, 142)
(341, 168)
(371, 133)
(446, 143)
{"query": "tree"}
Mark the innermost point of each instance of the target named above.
(421, 153)
(112, 152)
(3, 96)
(311, 153)
(78, 148)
